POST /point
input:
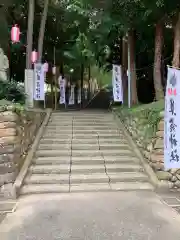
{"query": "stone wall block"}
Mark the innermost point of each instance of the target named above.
(160, 134)
(17, 131)
(161, 125)
(162, 175)
(8, 139)
(7, 132)
(5, 158)
(4, 125)
(8, 116)
(159, 144)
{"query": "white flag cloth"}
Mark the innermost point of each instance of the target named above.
(79, 95)
(117, 83)
(62, 99)
(39, 93)
(71, 97)
(172, 120)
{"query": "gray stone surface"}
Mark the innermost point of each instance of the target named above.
(90, 153)
(96, 216)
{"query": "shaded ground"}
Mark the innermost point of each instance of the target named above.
(120, 215)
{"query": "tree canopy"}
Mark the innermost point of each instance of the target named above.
(92, 32)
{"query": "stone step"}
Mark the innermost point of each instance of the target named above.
(57, 135)
(97, 146)
(118, 140)
(52, 160)
(103, 152)
(66, 178)
(86, 169)
(84, 160)
(50, 169)
(59, 130)
(93, 187)
(127, 177)
(54, 153)
(44, 188)
(100, 136)
(123, 167)
(56, 139)
(54, 146)
(60, 124)
(110, 168)
(123, 186)
(99, 141)
(112, 146)
(131, 186)
(85, 153)
(99, 131)
(89, 178)
(47, 178)
(80, 127)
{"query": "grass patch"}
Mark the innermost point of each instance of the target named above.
(145, 117)
(154, 106)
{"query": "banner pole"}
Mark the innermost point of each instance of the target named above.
(129, 74)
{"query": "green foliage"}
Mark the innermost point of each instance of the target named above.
(103, 77)
(11, 91)
(147, 118)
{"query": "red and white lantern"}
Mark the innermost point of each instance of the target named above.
(34, 56)
(15, 33)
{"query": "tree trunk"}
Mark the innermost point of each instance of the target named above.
(42, 30)
(159, 94)
(82, 78)
(176, 54)
(89, 77)
(30, 34)
(131, 40)
(124, 69)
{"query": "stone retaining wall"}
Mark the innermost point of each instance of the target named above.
(17, 132)
(152, 147)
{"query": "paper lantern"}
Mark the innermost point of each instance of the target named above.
(15, 33)
(45, 66)
(34, 56)
(54, 70)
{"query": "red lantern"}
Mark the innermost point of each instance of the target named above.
(34, 56)
(15, 33)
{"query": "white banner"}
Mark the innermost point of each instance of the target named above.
(79, 95)
(39, 82)
(62, 82)
(172, 120)
(71, 97)
(117, 83)
(29, 87)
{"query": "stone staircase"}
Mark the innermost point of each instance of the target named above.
(81, 152)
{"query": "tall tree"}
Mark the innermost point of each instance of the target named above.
(176, 53)
(157, 61)
(30, 34)
(42, 30)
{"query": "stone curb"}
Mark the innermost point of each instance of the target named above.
(153, 178)
(19, 180)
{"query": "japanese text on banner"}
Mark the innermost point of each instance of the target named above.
(172, 120)
(39, 82)
(117, 84)
(62, 82)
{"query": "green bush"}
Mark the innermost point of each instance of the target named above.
(11, 91)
